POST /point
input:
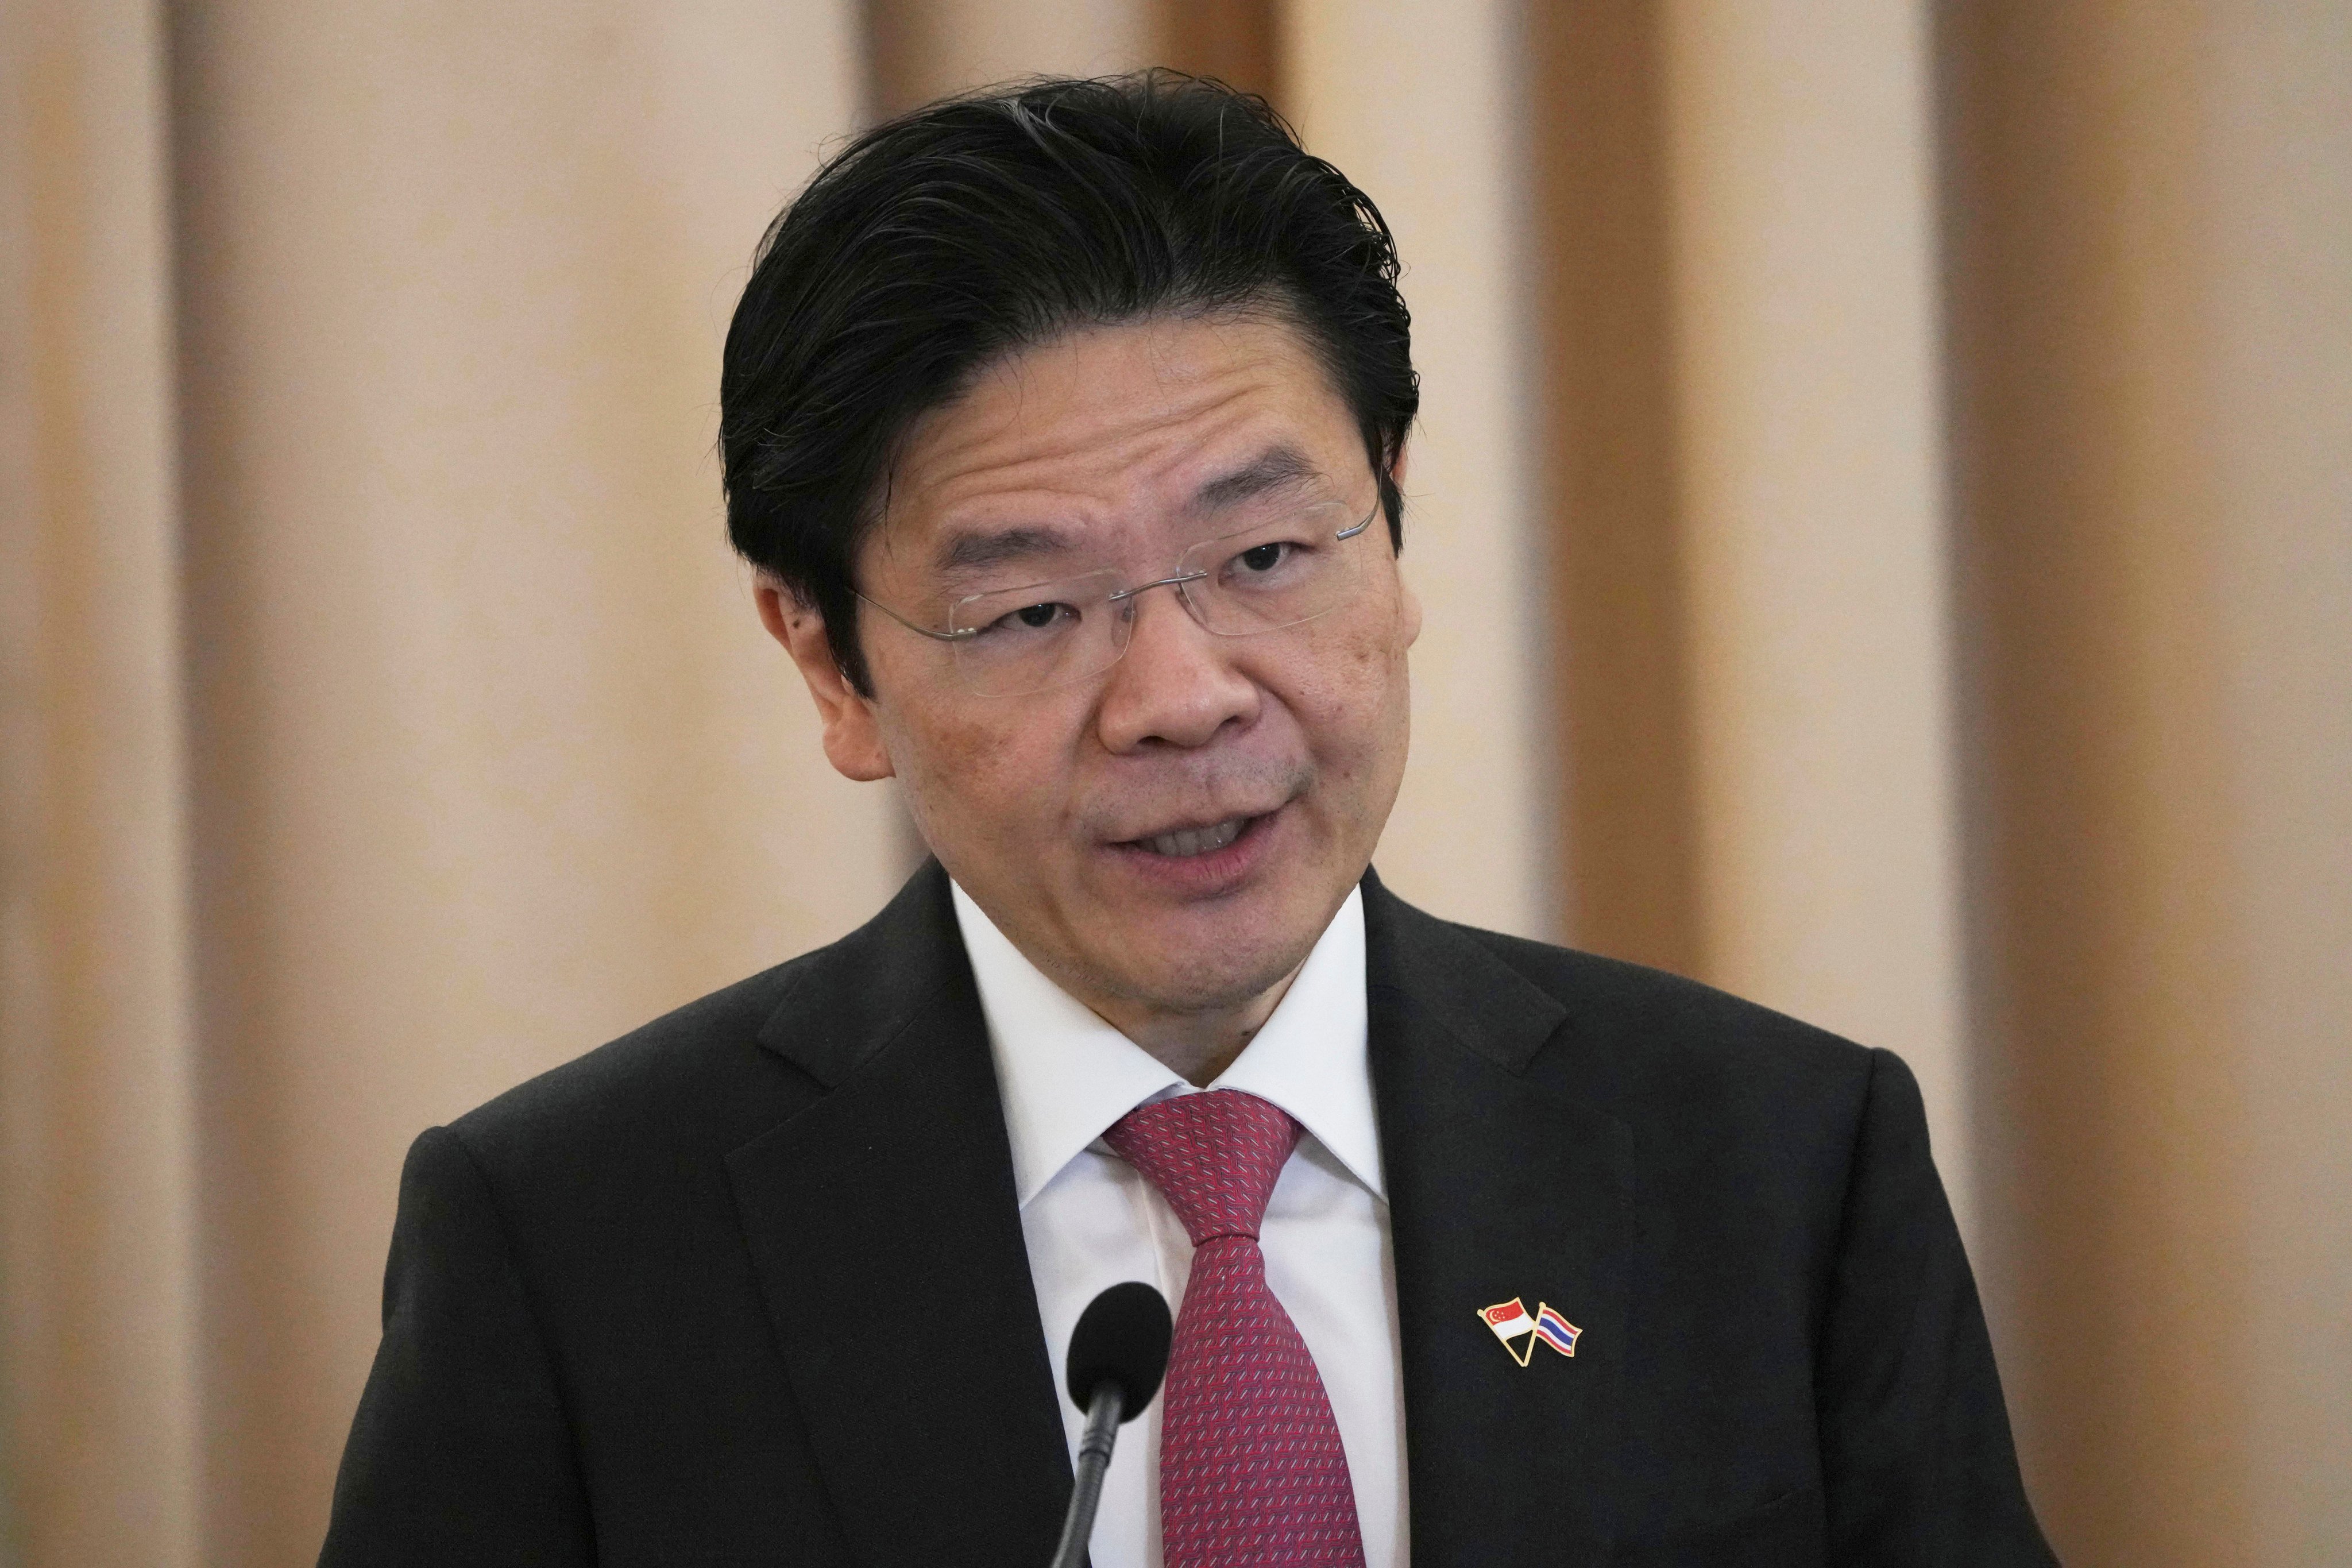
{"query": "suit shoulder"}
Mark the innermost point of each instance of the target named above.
(1718, 1093)
(1615, 994)
(697, 1074)
(1647, 1041)
(715, 1073)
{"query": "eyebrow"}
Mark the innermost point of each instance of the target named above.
(972, 551)
(1275, 469)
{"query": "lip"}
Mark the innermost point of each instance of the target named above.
(1205, 875)
(1194, 822)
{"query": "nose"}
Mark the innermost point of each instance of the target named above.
(1175, 687)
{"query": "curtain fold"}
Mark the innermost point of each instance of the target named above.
(490, 762)
(1423, 104)
(98, 1262)
(385, 719)
(1813, 534)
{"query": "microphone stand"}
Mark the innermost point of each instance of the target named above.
(1119, 1353)
(1094, 1458)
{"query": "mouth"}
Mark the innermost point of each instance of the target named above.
(1191, 857)
(1184, 843)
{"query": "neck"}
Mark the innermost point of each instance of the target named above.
(1196, 1047)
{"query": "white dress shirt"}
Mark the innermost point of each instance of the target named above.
(1091, 1220)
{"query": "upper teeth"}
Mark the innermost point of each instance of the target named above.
(1198, 840)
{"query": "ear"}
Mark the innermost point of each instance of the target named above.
(853, 732)
(1396, 465)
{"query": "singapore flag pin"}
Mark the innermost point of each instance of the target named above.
(1513, 1326)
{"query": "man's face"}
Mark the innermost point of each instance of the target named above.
(1173, 833)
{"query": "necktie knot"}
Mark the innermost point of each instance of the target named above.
(1213, 1156)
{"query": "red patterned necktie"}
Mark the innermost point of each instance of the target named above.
(1250, 1470)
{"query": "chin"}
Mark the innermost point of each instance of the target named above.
(1215, 985)
(1221, 959)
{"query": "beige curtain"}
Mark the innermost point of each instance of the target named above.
(1882, 507)
(2151, 233)
(1808, 416)
(1950, 472)
(489, 761)
(98, 1153)
(1745, 496)
(485, 758)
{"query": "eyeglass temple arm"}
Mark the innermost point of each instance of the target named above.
(957, 635)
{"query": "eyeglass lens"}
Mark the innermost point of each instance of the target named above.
(1278, 574)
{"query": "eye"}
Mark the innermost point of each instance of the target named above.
(1262, 558)
(1045, 615)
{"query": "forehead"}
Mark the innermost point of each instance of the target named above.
(1104, 428)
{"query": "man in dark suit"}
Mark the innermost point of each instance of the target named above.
(1064, 429)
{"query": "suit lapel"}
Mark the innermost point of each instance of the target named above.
(885, 1235)
(1498, 1187)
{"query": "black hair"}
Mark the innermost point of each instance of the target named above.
(934, 243)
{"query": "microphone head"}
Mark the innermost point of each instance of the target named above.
(1122, 1338)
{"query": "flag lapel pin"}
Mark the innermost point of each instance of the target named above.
(1554, 1330)
(1511, 1324)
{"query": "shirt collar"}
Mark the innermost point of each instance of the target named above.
(1065, 1075)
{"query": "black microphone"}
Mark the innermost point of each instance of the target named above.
(1118, 1355)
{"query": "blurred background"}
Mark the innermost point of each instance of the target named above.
(1883, 506)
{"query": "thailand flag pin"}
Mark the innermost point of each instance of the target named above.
(1555, 1330)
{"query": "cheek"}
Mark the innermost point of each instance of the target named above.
(1355, 702)
(975, 784)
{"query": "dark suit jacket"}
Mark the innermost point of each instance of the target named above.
(749, 1285)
